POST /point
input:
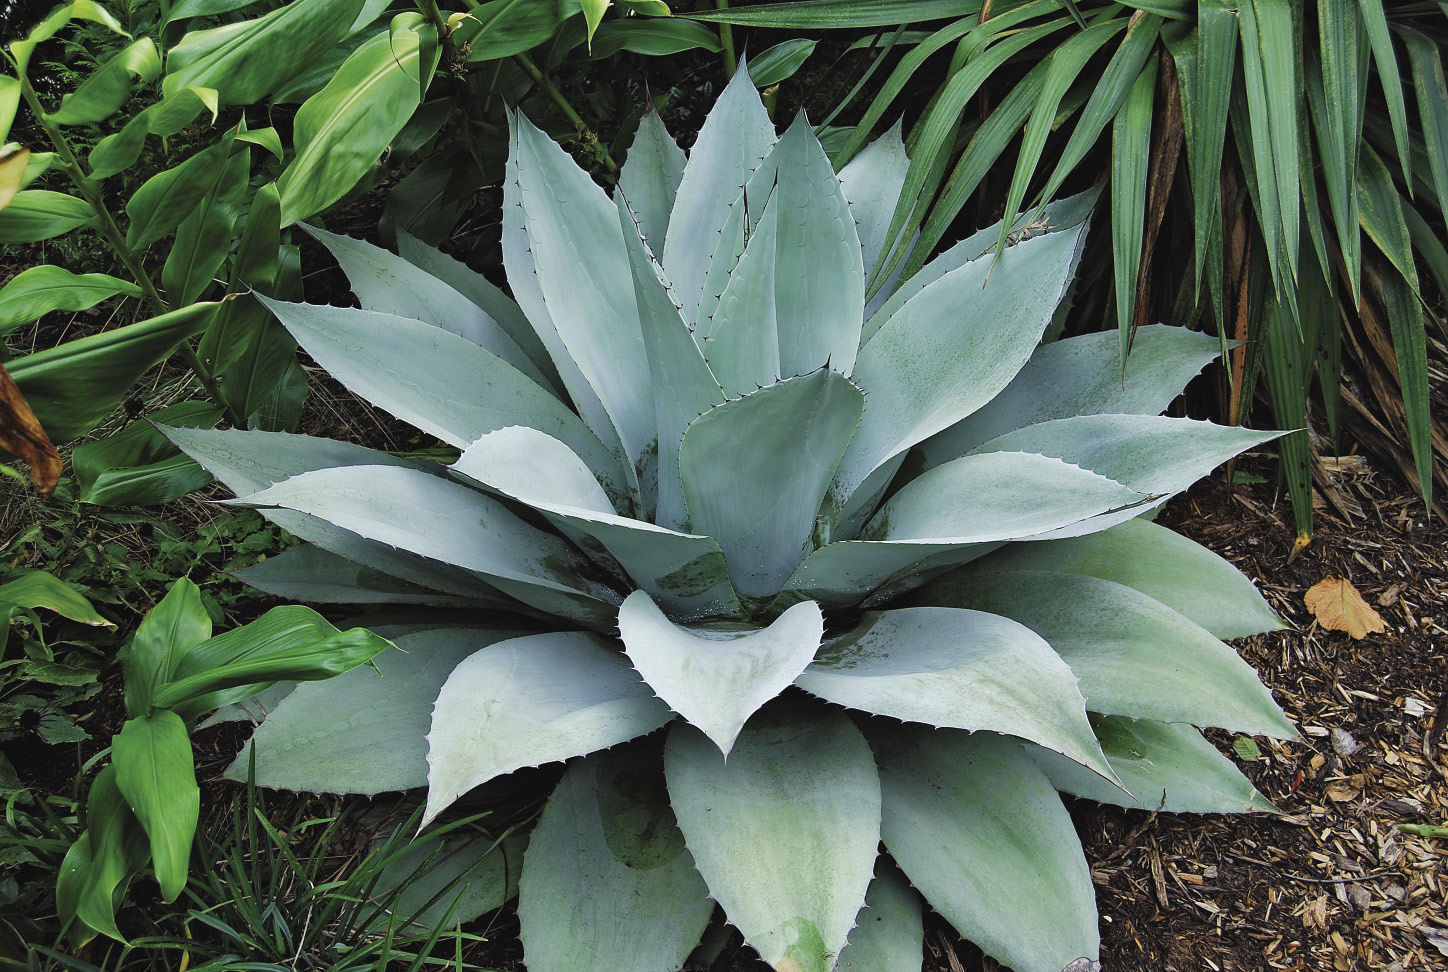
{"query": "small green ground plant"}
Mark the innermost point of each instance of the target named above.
(781, 568)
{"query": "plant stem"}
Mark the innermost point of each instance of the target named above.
(551, 90)
(444, 35)
(111, 233)
(726, 37)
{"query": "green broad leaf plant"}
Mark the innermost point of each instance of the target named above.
(143, 806)
(780, 573)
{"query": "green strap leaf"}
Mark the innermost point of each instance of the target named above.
(36, 291)
(1269, 66)
(169, 630)
(825, 14)
(111, 849)
(30, 589)
(1385, 59)
(1432, 90)
(108, 87)
(783, 441)
(154, 772)
(1334, 89)
(1162, 767)
(789, 862)
(364, 731)
(73, 387)
(529, 701)
(341, 131)
(204, 237)
(950, 668)
(38, 214)
(608, 853)
(983, 836)
(165, 199)
(716, 677)
(1206, 61)
(1134, 656)
(119, 150)
(246, 61)
(781, 62)
(1161, 563)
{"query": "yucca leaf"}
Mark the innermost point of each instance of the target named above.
(650, 178)
(812, 842)
(1134, 655)
(1067, 62)
(1385, 59)
(1268, 36)
(984, 837)
(783, 441)
(734, 140)
(1334, 89)
(608, 855)
(932, 136)
(364, 731)
(893, 85)
(1163, 564)
(1162, 767)
(1430, 249)
(1206, 62)
(532, 700)
(717, 678)
(1130, 157)
(818, 14)
(686, 573)
(949, 668)
(431, 517)
(1082, 376)
(1432, 90)
(1108, 95)
(1287, 354)
(1410, 352)
(981, 153)
(912, 369)
(889, 934)
(1075, 12)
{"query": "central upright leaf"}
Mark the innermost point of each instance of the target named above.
(755, 471)
(717, 677)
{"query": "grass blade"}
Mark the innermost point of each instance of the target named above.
(1130, 158)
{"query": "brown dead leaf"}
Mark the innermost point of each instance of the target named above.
(12, 173)
(1339, 607)
(1343, 791)
(21, 434)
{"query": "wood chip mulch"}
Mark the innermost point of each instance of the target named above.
(1331, 883)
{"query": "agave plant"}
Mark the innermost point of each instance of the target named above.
(786, 573)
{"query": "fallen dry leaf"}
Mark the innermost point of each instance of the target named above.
(1339, 607)
(12, 173)
(21, 434)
